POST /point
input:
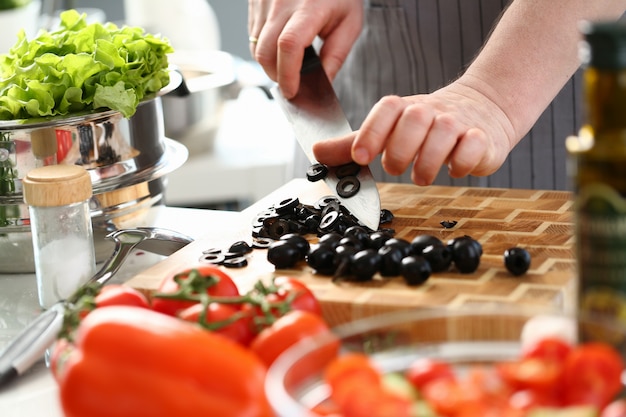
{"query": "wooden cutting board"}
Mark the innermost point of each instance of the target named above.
(540, 221)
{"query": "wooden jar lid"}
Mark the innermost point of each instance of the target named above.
(56, 185)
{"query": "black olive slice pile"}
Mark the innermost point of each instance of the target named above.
(233, 257)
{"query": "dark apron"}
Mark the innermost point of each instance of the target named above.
(417, 46)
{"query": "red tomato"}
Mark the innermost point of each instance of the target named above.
(551, 348)
(303, 297)
(286, 331)
(424, 370)
(121, 295)
(211, 280)
(370, 400)
(531, 373)
(592, 375)
(350, 373)
(224, 316)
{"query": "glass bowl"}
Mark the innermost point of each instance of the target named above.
(462, 337)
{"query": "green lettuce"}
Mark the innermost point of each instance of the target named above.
(81, 67)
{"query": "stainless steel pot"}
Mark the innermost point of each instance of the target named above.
(209, 80)
(127, 159)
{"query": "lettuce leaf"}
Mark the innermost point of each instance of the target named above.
(81, 67)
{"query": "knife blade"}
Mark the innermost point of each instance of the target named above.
(316, 114)
(31, 343)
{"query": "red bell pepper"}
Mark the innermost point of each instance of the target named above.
(134, 362)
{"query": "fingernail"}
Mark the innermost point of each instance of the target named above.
(361, 156)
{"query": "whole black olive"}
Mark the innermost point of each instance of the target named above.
(332, 239)
(468, 239)
(420, 242)
(378, 239)
(241, 247)
(299, 241)
(360, 233)
(322, 259)
(391, 258)
(403, 244)
(365, 264)
(352, 241)
(466, 254)
(517, 260)
(343, 259)
(438, 256)
(283, 254)
(415, 270)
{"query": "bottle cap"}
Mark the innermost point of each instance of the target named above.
(56, 185)
(605, 45)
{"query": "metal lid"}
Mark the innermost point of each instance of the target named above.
(605, 45)
(56, 185)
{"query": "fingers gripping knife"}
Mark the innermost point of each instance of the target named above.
(30, 345)
(315, 114)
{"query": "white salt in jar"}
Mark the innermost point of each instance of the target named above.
(58, 201)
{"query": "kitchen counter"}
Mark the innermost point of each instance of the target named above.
(35, 393)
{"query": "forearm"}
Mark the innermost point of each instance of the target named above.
(532, 53)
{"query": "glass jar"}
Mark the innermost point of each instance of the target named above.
(58, 200)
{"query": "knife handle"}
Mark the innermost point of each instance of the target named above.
(31, 343)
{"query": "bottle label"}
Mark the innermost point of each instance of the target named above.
(601, 246)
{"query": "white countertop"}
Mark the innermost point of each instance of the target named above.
(35, 393)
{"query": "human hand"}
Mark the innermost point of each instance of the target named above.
(284, 28)
(456, 125)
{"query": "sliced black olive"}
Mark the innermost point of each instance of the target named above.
(211, 251)
(322, 259)
(391, 259)
(347, 170)
(329, 221)
(287, 206)
(238, 262)
(278, 228)
(517, 260)
(364, 264)
(439, 256)
(420, 242)
(312, 223)
(348, 186)
(316, 172)
(213, 258)
(386, 216)
(326, 200)
(231, 255)
(241, 247)
(283, 254)
(262, 243)
(448, 224)
(415, 270)
(299, 241)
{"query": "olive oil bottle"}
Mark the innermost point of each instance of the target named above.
(599, 174)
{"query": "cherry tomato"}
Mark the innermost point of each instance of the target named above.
(303, 297)
(117, 294)
(551, 348)
(531, 373)
(350, 373)
(239, 330)
(424, 370)
(286, 331)
(592, 375)
(223, 286)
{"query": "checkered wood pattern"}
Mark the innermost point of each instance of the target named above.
(540, 221)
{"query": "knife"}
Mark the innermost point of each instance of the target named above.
(316, 114)
(31, 343)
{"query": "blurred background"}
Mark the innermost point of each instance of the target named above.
(240, 145)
